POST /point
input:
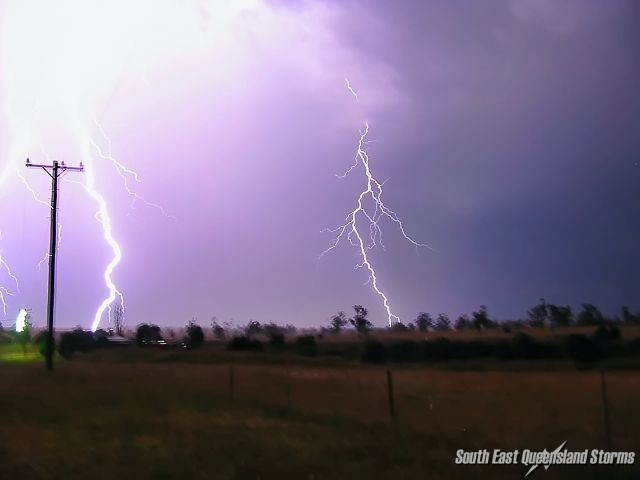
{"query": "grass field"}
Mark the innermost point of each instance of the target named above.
(152, 418)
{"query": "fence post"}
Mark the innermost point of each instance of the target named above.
(392, 406)
(231, 381)
(605, 408)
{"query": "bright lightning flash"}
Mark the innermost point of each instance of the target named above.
(372, 193)
(52, 86)
(21, 320)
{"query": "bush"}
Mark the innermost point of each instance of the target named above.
(77, 340)
(100, 337)
(306, 345)
(244, 343)
(373, 351)
(195, 335)
(277, 340)
(41, 340)
(606, 332)
(525, 346)
(405, 351)
(148, 334)
(582, 349)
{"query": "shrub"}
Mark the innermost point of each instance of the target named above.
(306, 345)
(195, 335)
(373, 351)
(100, 337)
(525, 346)
(405, 351)
(277, 340)
(244, 343)
(148, 334)
(606, 332)
(41, 340)
(77, 340)
(582, 349)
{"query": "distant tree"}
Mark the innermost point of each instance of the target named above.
(463, 322)
(559, 316)
(539, 314)
(253, 328)
(481, 318)
(76, 340)
(195, 334)
(143, 334)
(156, 333)
(338, 322)
(118, 319)
(398, 327)
(590, 315)
(442, 322)
(424, 321)
(217, 329)
(229, 327)
(629, 318)
(411, 326)
(290, 329)
(275, 333)
(101, 337)
(146, 334)
(360, 321)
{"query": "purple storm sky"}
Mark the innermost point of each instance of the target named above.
(508, 131)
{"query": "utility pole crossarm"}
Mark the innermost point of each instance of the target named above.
(62, 167)
(54, 171)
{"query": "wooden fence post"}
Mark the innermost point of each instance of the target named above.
(392, 406)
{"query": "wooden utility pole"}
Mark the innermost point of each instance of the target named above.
(55, 171)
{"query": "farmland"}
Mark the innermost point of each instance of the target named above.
(210, 413)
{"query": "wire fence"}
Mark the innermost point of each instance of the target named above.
(590, 409)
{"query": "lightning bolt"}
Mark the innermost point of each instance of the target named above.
(103, 217)
(350, 88)
(125, 173)
(73, 93)
(360, 214)
(4, 291)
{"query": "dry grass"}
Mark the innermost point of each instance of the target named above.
(155, 420)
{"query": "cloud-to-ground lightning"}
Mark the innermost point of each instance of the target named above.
(4, 290)
(352, 228)
(69, 78)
